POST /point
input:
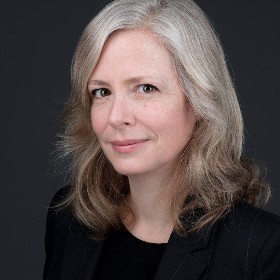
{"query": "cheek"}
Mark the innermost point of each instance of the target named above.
(171, 122)
(181, 122)
(97, 122)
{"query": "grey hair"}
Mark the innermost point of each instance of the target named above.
(211, 173)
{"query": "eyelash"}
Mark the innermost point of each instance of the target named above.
(148, 85)
(94, 92)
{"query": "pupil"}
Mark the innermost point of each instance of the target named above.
(147, 88)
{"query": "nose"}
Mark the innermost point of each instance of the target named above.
(121, 112)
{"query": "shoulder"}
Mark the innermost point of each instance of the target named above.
(60, 210)
(60, 196)
(249, 227)
(61, 220)
(248, 241)
(244, 218)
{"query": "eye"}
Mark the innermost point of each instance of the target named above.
(100, 93)
(147, 88)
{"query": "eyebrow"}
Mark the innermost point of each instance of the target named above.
(97, 82)
(138, 79)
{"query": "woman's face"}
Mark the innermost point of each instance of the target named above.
(139, 111)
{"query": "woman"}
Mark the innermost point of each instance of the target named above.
(160, 189)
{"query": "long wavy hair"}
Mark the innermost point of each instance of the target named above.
(211, 174)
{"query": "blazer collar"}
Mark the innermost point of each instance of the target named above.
(184, 257)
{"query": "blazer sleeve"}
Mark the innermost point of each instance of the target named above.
(268, 265)
(48, 240)
(55, 218)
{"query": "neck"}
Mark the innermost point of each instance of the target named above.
(150, 200)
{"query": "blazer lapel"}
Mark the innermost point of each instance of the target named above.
(184, 258)
(80, 257)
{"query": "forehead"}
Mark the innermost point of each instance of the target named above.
(132, 37)
(134, 50)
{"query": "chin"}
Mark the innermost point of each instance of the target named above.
(129, 170)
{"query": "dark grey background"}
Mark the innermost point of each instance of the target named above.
(38, 39)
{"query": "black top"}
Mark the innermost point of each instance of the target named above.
(126, 257)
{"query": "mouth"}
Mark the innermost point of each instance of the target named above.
(126, 146)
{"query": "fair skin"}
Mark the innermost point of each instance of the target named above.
(143, 122)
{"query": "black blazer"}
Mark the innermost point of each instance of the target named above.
(243, 245)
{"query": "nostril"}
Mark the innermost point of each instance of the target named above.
(120, 115)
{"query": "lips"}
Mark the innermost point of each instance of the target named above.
(128, 142)
(126, 146)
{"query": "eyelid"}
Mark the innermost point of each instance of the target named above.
(93, 92)
(148, 85)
